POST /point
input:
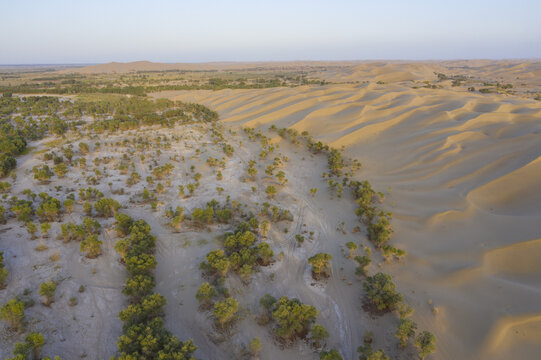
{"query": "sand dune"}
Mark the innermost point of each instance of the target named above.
(465, 173)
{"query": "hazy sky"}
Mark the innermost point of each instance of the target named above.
(83, 31)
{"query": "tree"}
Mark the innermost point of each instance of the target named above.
(106, 207)
(90, 246)
(7, 163)
(225, 310)
(139, 286)
(176, 222)
(332, 354)
(281, 177)
(45, 227)
(13, 313)
(318, 333)
(31, 347)
(217, 263)
(264, 228)
(49, 208)
(84, 148)
(405, 330)
(363, 262)
(255, 346)
(47, 290)
(313, 191)
(205, 294)
(68, 204)
(42, 174)
(352, 248)
(426, 343)
(380, 291)
(87, 208)
(60, 170)
(123, 224)
(320, 265)
(3, 271)
(270, 191)
(32, 229)
(293, 318)
(266, 255)
(380, 233)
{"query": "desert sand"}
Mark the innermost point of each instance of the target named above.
(463, 171)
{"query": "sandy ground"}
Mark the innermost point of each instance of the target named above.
(93, 323)
(464, 173)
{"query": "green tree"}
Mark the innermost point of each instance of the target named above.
(13, 313)
(271, 191)
(106, 207)
(405, 330)
(255, 346)
(352, 248)
(42, 174)
(363, 262)
(264, 228)
(205, 294)
(123, 224)
(31, 347)
(139, 286)
(60, 170)
(321, 263)
(217, 263)
(224, 311)
(68, 204)
(332, 354)
(293, 318)
(318, 334)
(47, 290)
(313, 191)
(426, 343)
(380, 291)
(3, 271)
(32, 229)
(45, 227)
(90, 246)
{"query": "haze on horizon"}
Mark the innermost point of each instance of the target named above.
(60, 31)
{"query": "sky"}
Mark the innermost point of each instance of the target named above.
(97, 31)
